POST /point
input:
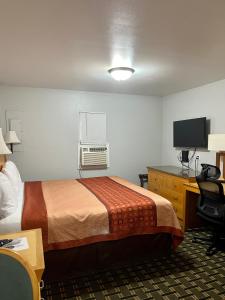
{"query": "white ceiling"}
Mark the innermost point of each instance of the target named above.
(70, 44)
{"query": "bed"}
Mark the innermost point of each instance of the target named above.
(79, 212)
(86, 220)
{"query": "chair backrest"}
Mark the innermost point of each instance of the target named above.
(17, 278)
(210, 171)
(212, 200)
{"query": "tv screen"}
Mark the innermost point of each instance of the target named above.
(190, 133)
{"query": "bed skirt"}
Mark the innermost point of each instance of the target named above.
(68, 262)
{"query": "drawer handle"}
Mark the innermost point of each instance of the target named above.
(175, 198)
(42, 284)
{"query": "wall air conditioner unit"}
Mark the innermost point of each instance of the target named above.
(93, 157)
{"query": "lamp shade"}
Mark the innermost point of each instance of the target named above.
(216, 142)
(3, 148)
(11, 138)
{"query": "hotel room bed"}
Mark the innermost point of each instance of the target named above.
(95, 220)
(79, 212)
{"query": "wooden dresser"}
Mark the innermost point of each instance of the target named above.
(168, 181)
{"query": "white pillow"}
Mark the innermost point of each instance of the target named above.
(8, 202)
(11, 171)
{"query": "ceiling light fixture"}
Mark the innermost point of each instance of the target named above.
(121, 73)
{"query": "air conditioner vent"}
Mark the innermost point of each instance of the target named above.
(100, 149)
(94, 157)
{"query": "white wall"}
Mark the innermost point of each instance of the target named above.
(50, 125)
(206, 101)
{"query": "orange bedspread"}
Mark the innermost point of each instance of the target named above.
(78, 212)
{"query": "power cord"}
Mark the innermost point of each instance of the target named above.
(179, 157)
(192, 157)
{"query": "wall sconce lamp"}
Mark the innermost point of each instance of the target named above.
(11, 138)
(216, 142)
(3, 150)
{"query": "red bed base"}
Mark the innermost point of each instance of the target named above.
(74, 261)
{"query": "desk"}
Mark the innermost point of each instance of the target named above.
(34, 254)
(193, 187)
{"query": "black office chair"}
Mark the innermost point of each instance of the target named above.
(210, 171)
(211, 208)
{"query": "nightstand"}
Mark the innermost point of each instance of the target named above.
(34, 254)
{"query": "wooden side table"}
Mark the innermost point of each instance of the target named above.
(34, 254)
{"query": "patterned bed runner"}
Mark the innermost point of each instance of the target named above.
(128, 210)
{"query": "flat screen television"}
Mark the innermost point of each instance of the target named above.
(190, 133)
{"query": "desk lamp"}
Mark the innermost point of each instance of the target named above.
(216, 142)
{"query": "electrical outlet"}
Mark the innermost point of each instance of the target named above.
(197, 157)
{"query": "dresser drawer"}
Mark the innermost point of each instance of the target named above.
(172, 195)
(155, 178)
(176, 200)
(179, 211)
(155, 188)
(155, 182)
(174, 184)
